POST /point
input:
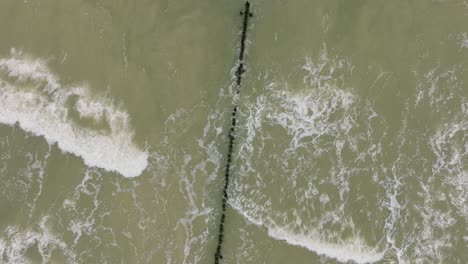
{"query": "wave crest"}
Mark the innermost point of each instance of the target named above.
(90, 127)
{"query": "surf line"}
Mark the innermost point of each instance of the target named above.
(240, 70)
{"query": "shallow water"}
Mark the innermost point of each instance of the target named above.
(351, 142)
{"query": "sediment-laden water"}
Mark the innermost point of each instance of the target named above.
(350, 138)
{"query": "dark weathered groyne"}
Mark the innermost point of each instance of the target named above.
(240, 70)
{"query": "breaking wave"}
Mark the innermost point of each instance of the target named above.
(92, 128)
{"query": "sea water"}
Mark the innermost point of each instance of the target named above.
(351, 134)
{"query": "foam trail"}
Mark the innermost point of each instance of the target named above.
(353, 249)
(31, 95)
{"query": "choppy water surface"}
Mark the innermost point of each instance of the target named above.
(351, 137)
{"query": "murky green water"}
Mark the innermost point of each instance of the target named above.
(351, 137)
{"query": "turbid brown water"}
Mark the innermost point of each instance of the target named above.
(351, 143)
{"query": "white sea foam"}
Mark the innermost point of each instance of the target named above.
(32, 96)
(450, 146)
(309, 114)
(463, 39)
(430, 231)
(315, 121)
(15, 242)
(352, 250)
